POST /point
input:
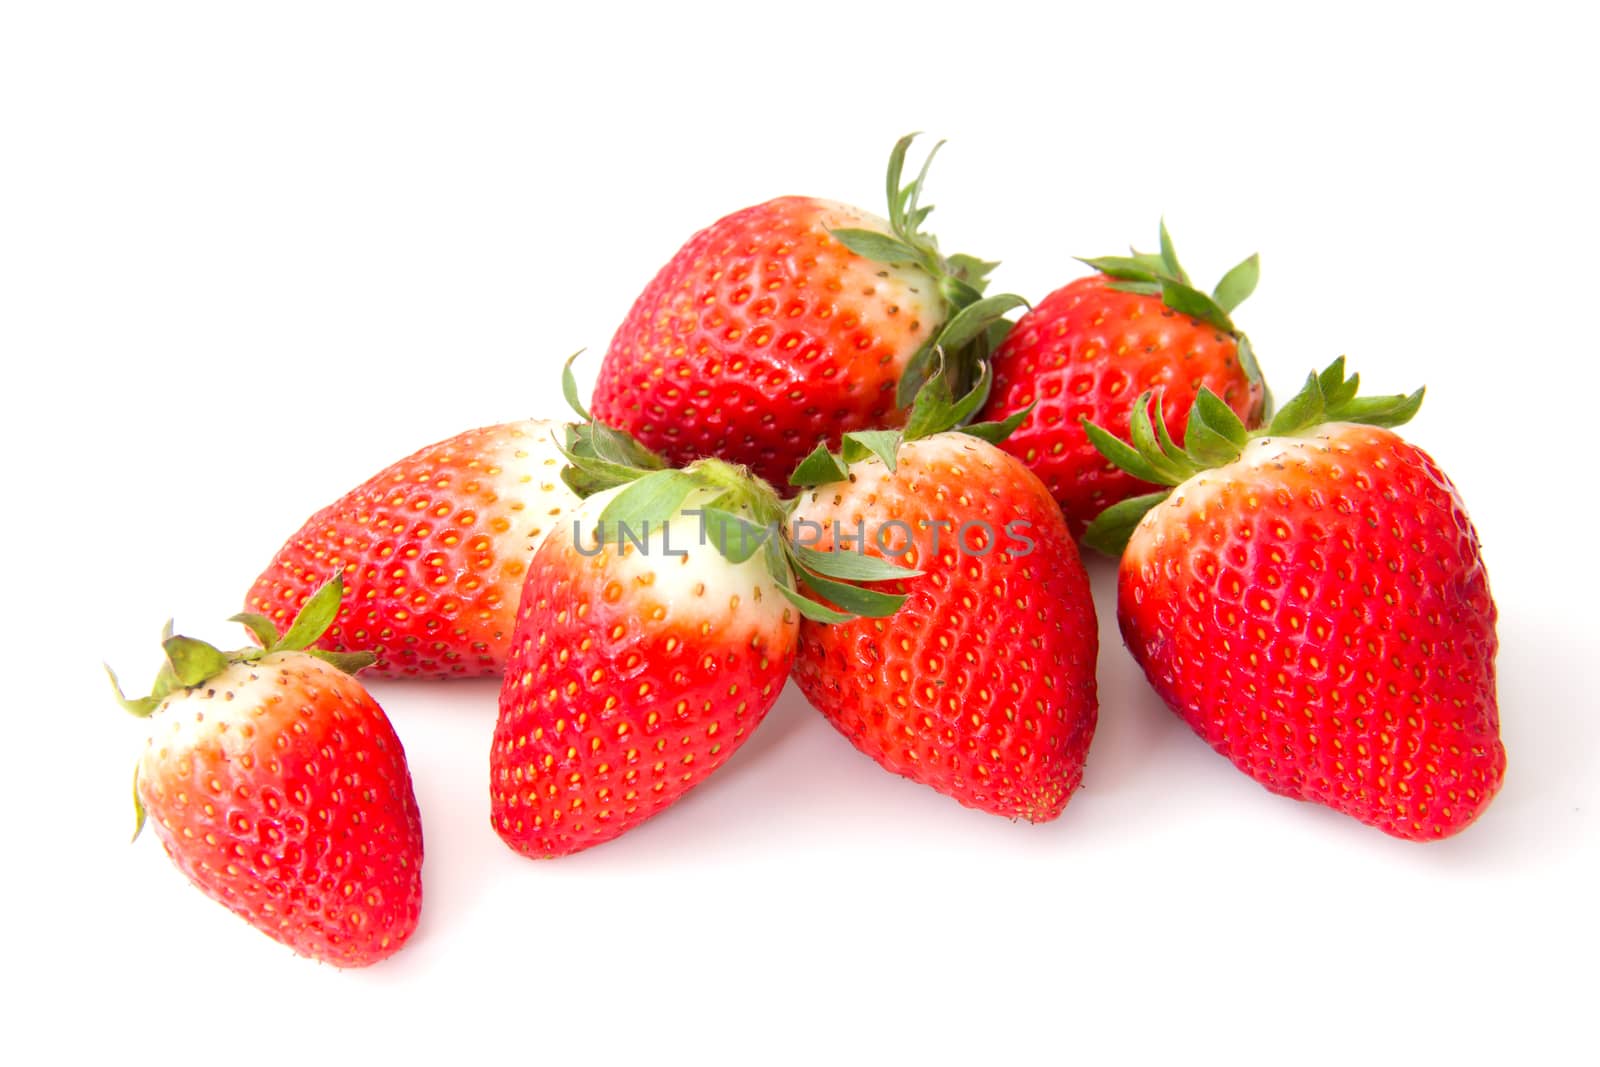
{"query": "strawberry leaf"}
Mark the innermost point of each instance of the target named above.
(1169, 257)
(869, 603)
(193, 661)
(995, 432)
(1111, 529)
(569, 387)
(260, 627)
(812, 610)
(314, 617)
(1214, 435)
(650, 499)
(852, 566)
(734, 536)
(820, 468)
(878, 247)
(1237, 285)
(857, 446)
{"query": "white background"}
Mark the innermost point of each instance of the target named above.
(249, 256)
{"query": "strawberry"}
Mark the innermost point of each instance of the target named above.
(1090, 347)
(656, 629)
(277, 786)
(982, 686)
(789, 323)
(433, 549)
(1311, 600)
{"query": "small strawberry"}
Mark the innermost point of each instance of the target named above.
(433, 550)
(656, 629)
(276, 784)
(982, 686)
(793, 322)
(1311, 600)
(1089, 348)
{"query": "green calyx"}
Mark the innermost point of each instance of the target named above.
(935, 409)
(1161, 274)
(739, 515)
(1214, 436)
(191, 662)
(974, 325)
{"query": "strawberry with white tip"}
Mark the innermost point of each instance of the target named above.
(656, 630)
(278, 787)
(793, 322)
(433, 550)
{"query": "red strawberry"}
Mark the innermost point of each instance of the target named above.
(789, 323)
(982, 685)
(433, 549)
(277, 785)
(656, 630)
(1310, 599)
(1089, 348)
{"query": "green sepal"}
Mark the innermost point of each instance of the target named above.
(867, 603)
(812, 610)
(649, 499)
(1169, 256)
(854, 447)
(348, 662)
(1214, 434)
(1111, 529)
(852, 566)
(569, 387)
(995, 432)
(1237, 285)
(1120, 453)
(600, 458)
(1161, 274)
(968, 324)
(1150, 437)
(141, 707)
(970, 269)
(936, 409)
(819, 468)
(138, 807)
(878, 247)
(734, 536)
(265, 633)
(193, 660)
(314, 618)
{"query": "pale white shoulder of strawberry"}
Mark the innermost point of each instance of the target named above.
(905, 285)
(525, 464)
(1206, 490)
(681, 567)
(224, 710)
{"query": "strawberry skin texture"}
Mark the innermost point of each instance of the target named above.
(280, 789)
(764, 335)
(632, 678)
(1088, 351)
(434, 551)
(1318, 611)
(982, 685)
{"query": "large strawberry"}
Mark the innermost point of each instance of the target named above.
(656, 629)
(1311, 600)
(1091, 347)
(982, 685)
(277, 785)
(433, 550)
(789, 323)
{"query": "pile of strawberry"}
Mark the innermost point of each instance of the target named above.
(818, 451)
